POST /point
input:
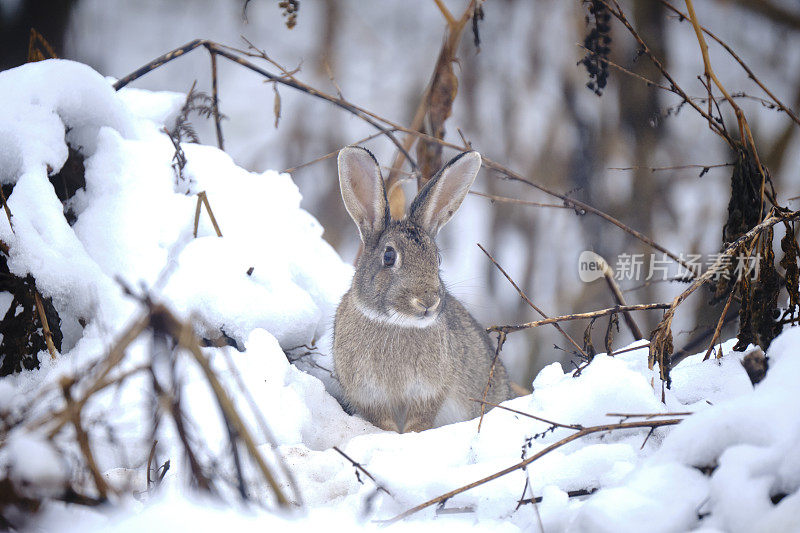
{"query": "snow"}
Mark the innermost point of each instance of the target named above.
(719, 469)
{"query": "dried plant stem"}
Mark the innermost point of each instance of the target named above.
(283, 80)
(501, 339)
(584, 207)
(393, 127)
(534, 306)
(744, 128)
(6, 209)
(616, 292)
(423, 116)
(570, 494)
(626, 350)
(329, 155)
(172, 405)
(750, 73)
(202, 198)
(197, 215)
(581, 316)
(150, 462)
(48, 336)
(83, 442)
(579, 434)
(660, 342)
(361, 468)
(215, 101)
(262, 424)
(649, 415)
(720, 322)
(674, 167)
(673, 85)
(504, 199)
(576, 427)
(114, 358)
(189, 342)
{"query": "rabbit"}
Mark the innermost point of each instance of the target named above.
(407, 354)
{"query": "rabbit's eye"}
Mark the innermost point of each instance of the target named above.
(389, 256)
(439, 257)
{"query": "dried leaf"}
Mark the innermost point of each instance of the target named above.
(613, 321)
(477, 15)
(441, 96)
(588, 347)
(758, 314)
(791, 253)
(661, 348)
(276, 105)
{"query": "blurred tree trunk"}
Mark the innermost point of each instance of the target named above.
(640, 107)
(49, 17)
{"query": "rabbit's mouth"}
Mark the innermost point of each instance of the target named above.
(420, 320)
(427, 306)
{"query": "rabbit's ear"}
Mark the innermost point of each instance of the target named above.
(362, 190)
(443, 194)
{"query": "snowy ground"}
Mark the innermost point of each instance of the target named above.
(718, 470)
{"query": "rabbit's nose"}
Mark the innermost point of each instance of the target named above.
(427, 304)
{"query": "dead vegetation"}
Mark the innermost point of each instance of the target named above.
(31, 325)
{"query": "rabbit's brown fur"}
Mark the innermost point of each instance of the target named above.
(407, 353)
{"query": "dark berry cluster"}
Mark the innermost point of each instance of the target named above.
(597, 46)
(290, 8)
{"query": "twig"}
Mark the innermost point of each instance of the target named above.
(48, 336)
(6, 209)
(530, 303)
(358, 466)
(83, 442)
(682, 16)
(570, 494)
(237, 461)
(331, 154)
(202, 198)
(660, 342)
(215, 101)
(581, 316)
(262, 424)
(616, 292)
(292, 82)
(691, 347)
(371, 119)
(114, 358)
(197, 215)
(631, 349)
(584, 207)
(721, 320)
(673, 85)
(675, 167)
(507, 200)
(582, 433)
(649, 415)
(577, 427)
(744, 128)
(501, 339)
(647, 438)
(186, 338)
(174, 410)
(150, 462)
